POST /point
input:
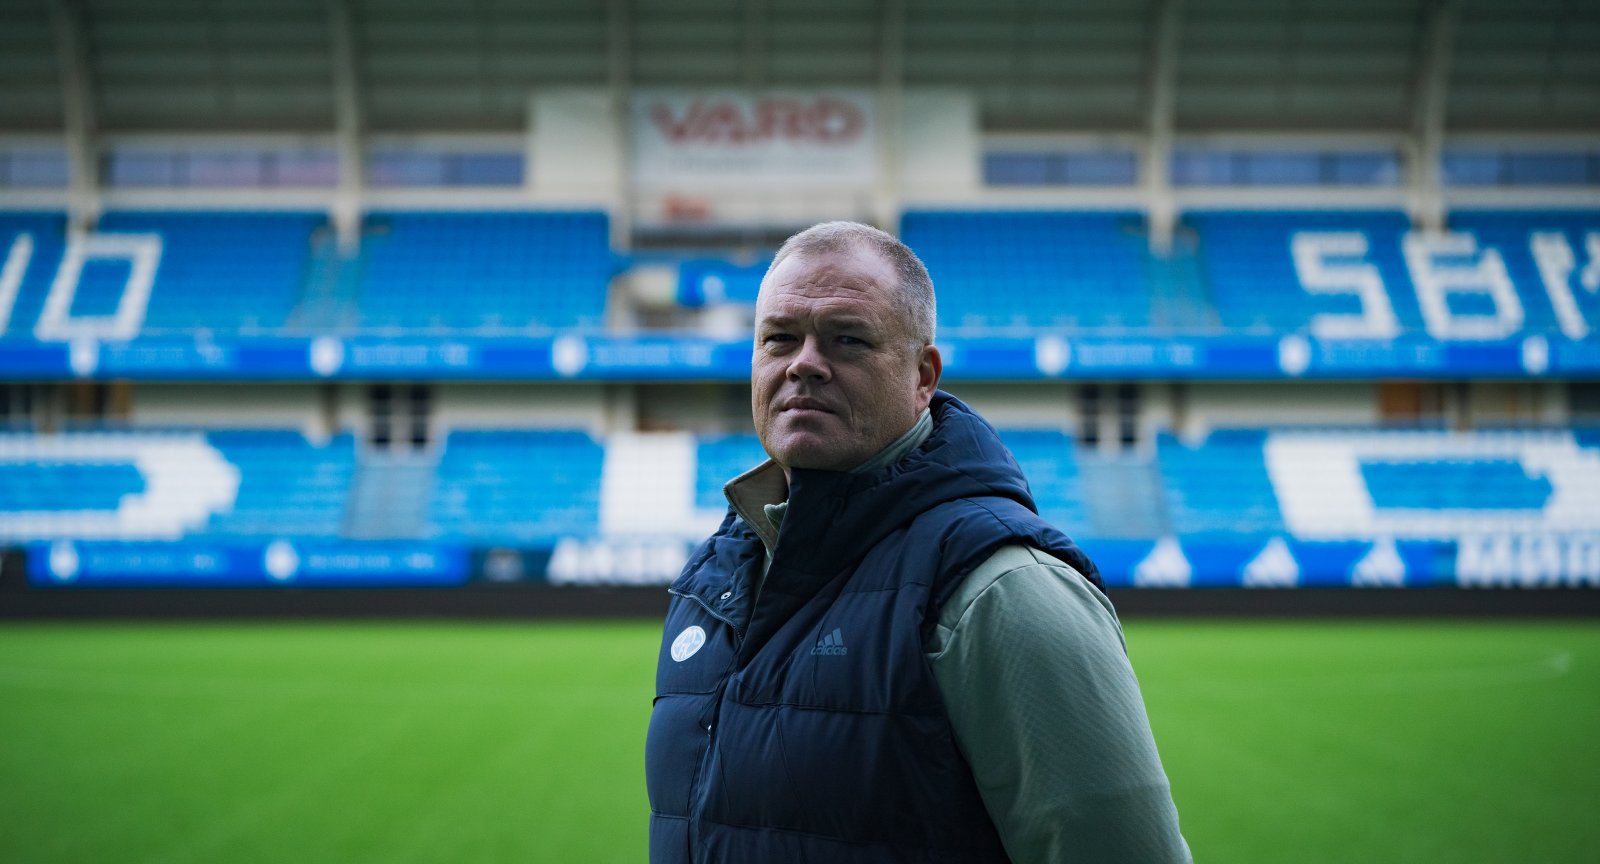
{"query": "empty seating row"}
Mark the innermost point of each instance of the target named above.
(1355, 274)
(165, 485)
(156, 272)
(517, 486)
(474, 270)
(537, 487)
(1034, 269)
(172, 272)
(1494, 274)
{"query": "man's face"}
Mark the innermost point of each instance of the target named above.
(835, 378)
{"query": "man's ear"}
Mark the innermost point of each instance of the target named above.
(929, 367)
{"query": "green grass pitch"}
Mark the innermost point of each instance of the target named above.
(1330, 741)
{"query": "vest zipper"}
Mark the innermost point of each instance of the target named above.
(738, 631)
(695, 804)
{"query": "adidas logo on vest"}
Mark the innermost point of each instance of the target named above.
(830, 645)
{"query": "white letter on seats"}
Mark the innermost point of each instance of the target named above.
(1317, 276)
(143, 252)
(1553, 255)
(11, 275)
(1484, 275)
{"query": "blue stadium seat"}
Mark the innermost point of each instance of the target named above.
(1453, 484)
(287, 486)
(65, 486)
(996, 270)
(221, 484)
(720, 459)
(1219, 486)
(538, 487)
(219, 270)
(46, 233)
(518, 271)
(1048, 460)
(1512, 233)
(517, 486)
(1248, 265)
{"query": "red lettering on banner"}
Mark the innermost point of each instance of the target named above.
(821, 121)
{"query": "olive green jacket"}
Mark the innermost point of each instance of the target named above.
(1045, 707)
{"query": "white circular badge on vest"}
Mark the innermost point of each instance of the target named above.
(688, 642)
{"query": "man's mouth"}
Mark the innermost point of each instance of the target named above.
(802, 404)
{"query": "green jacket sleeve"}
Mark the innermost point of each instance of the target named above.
(1045, 707)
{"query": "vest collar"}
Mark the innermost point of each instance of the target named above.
(761, 495)
(835, 517)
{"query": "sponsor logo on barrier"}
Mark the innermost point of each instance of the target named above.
(1528, 561)
(617, 561)
(1381, 567)
(64, 561)
(1164, 567)
(327, 355)
(1052, 355)
(1273, 567)
(281, 561)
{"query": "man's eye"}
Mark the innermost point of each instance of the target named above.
(853, 341)
(771, 338)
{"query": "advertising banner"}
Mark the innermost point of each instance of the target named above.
(729, 139)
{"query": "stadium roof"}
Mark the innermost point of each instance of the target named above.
(1092, 65)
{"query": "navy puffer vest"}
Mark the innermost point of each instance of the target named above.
(809, 726)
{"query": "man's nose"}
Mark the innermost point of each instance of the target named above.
(808, 364)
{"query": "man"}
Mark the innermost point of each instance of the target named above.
(884, 654)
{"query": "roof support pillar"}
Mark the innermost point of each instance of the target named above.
(349, 127)
(619, 81)
(1428, 108)
(755, 44)
(891, 84)
(1161, 90)
(77, 101)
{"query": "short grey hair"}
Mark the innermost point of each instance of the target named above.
(916, 288)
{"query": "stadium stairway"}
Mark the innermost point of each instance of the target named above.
(328, 301)
(389, 495)
(1179, 299)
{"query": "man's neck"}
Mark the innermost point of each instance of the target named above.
(760, 496)
(901, 446)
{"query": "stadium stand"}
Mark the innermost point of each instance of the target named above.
(219, 271)
(1248, 264)
(719, 459)
(1034, 269)
(534, 487)
(540, 271)
(42, 236)
(1048, 461)
(1231, 271)
(1533, 242)
(517, 486)
(167, 484)
(1433, 484)
(463, 251)
(1219, 486)
(287, 486)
